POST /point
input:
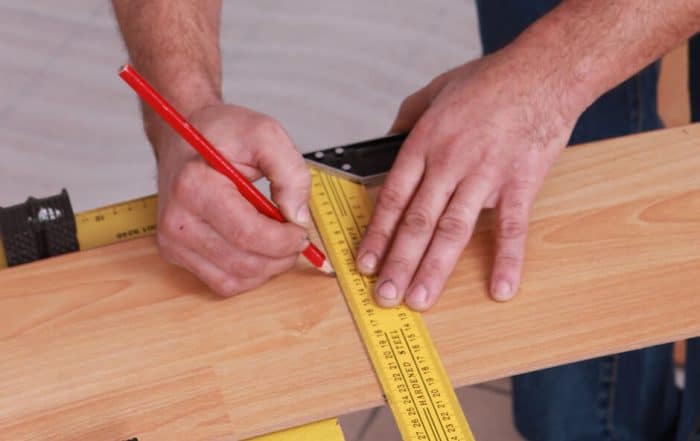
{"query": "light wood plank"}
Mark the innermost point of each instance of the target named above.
(113, 342)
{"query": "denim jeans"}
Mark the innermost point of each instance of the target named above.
(623, 397)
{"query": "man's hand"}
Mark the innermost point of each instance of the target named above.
(482, 135)
(206, 226)
(486, 133)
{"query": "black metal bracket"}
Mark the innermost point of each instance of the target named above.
(365, 162)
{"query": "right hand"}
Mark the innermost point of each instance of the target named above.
(206, 226)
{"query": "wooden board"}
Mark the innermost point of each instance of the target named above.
(113, 343)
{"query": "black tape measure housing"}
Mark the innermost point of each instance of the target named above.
(38, 228)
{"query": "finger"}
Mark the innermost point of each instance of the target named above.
(410, 111)
(216, 279)
(412, 238)
(511, 234)
(492, 200)
(290, 181)
(393, 198)
(453, 231)
(196, 235)
(218, 203)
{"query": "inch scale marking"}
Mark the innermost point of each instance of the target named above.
(410, 371)
(117, 222)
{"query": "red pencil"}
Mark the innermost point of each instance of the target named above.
(213, 157)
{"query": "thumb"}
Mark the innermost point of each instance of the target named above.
(290, 180)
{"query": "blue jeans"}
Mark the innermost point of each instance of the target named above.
(623, 397)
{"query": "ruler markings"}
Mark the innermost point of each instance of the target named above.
(432, 424)
(420, 375)
(337, 197)
(405, 361)
(408, 385)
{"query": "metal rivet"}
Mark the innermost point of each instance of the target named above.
(339, 150)
(346, 167)
(318, 155)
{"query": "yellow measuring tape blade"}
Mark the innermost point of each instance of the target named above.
(137, 218)
(114, 223)
(323, 430)
(410, 371)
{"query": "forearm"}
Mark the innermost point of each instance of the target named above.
(175, 45)
(586, 47)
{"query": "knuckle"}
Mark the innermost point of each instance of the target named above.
(391, 199)
(292, 243)
(449, 156)
(241, 235)
(418, 221)
(304, 176)
(398, 264)
(244, 267)
(282, 241)
(375, 237)
(433, 267)
(518, 205)
(510, 228)
(299, 180)
(508, 260)
(268, 127)
(453, 227)
(485, 173)
(489, 158)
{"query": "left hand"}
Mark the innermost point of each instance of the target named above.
(482, 135)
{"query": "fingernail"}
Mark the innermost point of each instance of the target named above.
(387, 291)
(305, 242)
(502, 291)
(368, 263)
(303, 215)
(418, 298)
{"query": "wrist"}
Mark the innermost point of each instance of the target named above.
(565, 76)
(187, 94)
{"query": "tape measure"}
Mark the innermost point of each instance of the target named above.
(113, 223)
(118, 222)
(410, 371)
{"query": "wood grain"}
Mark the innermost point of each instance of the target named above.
(114, 342)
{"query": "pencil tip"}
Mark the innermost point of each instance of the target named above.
(327, 268)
